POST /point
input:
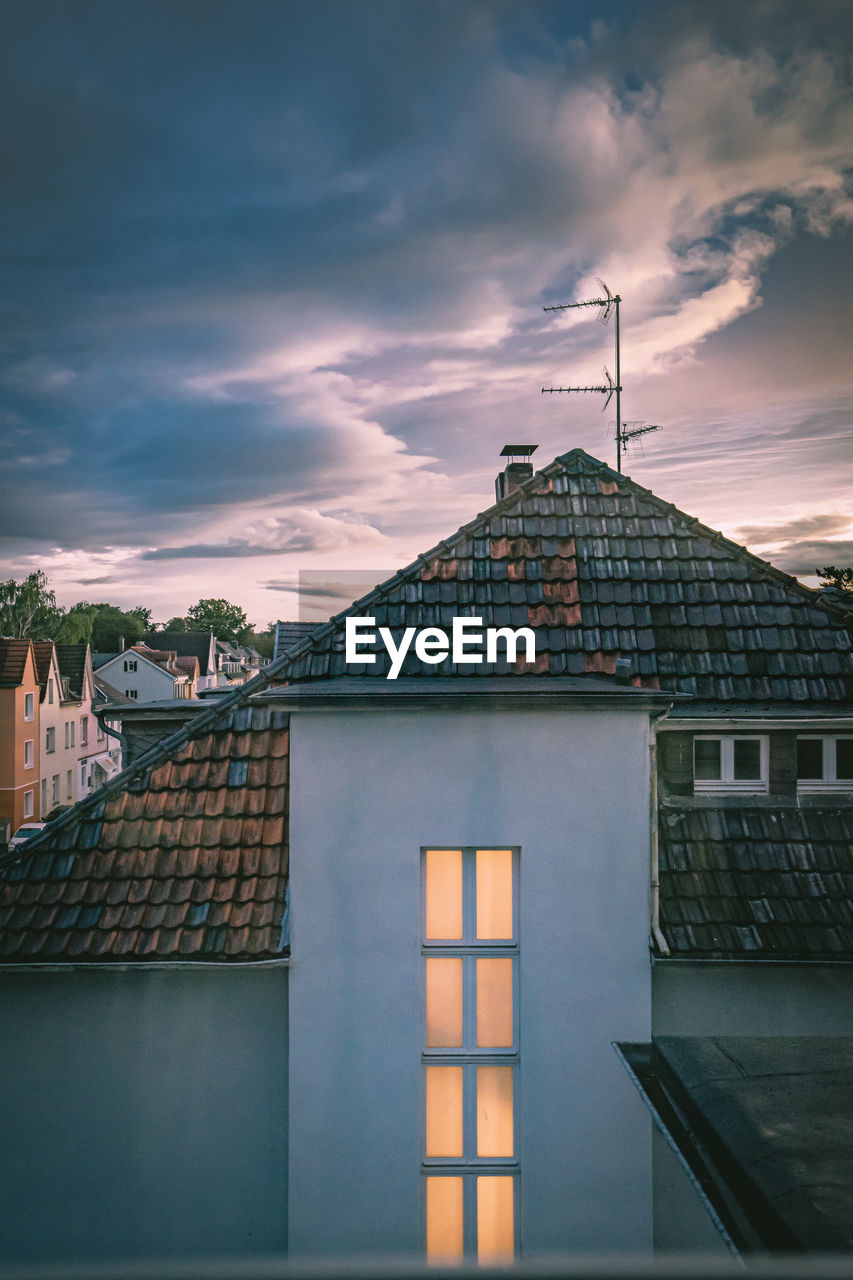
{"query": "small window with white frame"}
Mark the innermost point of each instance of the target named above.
(29, 706)
(29, 753)
(29, 803)
(825, 762)
(730, 762)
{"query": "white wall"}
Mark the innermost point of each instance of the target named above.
(150, 681)
(369, 789)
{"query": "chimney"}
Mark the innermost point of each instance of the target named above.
(518, 468)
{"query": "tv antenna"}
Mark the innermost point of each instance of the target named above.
(631, 431)
(609, 304)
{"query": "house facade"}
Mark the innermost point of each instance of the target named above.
(20, 743)
(387, 929)
(142, 674)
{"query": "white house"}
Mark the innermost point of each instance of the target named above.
(146, 675)
(371, 925)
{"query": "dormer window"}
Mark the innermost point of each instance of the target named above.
(824, 763)
(730, 762)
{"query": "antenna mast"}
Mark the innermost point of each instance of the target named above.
(610, 302)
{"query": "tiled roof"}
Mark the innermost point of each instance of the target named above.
(13, 660)
(597, 565)
(185, 643)
(43, 651)
(72, 666)
(602, 570)
(757, 883)
(181, 859)
(289, 634)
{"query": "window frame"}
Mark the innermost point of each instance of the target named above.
(727, 782)
(829, 763)
(29, 804)
(29, 753)
(50, 739)
(29, 706)
(469, 1056)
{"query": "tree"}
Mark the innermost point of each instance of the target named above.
(76, 625)
(832, 576)
(226, 621)
(112, 626)
(29, 608)
(176, 624)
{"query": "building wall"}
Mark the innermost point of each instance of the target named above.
(143, 1114)
(150, 681)
(751, 999)
(15, 778)
(369, 789)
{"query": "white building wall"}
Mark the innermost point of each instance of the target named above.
(150, 681)
(369, 789)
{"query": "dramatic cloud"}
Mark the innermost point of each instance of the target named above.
(272, 283)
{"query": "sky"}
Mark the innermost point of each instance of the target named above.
(272, 278)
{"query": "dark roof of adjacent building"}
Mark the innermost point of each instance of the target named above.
(764, 1123)
(772, 883)
(185, 643)
(43, 652)
(288, 634)
(72, 666)
(13, 660)
(599, 567)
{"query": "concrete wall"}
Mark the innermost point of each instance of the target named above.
(731, 999)
(142, 1114)
(369, 789)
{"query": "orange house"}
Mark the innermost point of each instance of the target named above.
(19, 736)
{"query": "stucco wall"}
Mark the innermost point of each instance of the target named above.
(752, 999)
(142, 1114)
(369, 789)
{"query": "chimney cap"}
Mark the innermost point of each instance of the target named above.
(518, 450)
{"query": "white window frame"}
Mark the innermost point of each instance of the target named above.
(131, 693)
(829, 781)
(727, 781)
(468, 1055)
(54, 791)
(50, 739)
(84, 731)
(29, 706)
(29, 753)
(29, 804)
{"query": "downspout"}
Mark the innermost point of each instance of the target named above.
(113, 733)
(654, 868)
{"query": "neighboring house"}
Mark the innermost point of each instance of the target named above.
(20, 742)
(387, 930)
(59, 728)
(96, 759)
(189, 644)
(143, 674)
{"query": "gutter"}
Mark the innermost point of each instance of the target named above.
(123, 966)
(658, 940)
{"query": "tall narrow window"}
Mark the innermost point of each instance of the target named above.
(470, 1055)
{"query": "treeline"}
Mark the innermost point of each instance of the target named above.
(29, 609)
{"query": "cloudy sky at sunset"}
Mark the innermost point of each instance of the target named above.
(273, 277)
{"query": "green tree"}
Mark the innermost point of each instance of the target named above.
(832, 576)
(29, 608)
(176, 624)
(226, 621)
(112, 626)
(75, 627)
